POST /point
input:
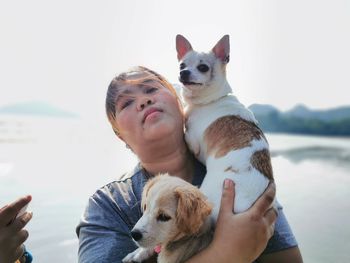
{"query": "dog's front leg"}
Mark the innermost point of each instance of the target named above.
(139, 255)
(192, 143)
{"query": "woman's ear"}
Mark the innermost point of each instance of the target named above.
(127, 146)
(116, 132)
(192, 209)
(118, 135)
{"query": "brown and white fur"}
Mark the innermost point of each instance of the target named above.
(221, 132)
(175, 216)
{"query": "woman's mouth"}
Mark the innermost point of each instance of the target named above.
(150, 112)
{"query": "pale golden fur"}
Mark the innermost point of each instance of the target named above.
(189, 228)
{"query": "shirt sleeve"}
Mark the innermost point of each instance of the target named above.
(283, 237)
(104, 231)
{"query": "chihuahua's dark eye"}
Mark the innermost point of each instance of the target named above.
(144, 207)
(202, 68)
(182, 66)
(163, 217)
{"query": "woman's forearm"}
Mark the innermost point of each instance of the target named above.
(211, 254)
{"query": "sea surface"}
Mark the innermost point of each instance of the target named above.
(62, 162)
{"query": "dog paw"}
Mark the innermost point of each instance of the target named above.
(138, 255)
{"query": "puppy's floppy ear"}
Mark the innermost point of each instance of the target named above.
(192, 209)
(182, 46)
(222, 49)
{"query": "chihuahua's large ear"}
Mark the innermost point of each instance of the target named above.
(182, 46)
(222, 49)
(192, 209)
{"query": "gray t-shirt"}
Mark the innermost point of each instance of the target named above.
(111, 213)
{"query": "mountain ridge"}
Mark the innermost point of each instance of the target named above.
(36, 108)
(302, 120)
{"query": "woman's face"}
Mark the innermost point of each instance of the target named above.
(147, 112)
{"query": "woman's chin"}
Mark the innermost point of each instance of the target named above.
(162, 130)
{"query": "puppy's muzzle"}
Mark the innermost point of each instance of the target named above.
(185, 75)
(136, 235)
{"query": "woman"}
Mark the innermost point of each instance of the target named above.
(146, 114)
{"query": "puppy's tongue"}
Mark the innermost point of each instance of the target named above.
(158, 248)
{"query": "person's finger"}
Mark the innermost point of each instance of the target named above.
(18, 253)
(9, 212)
(270, 230)
(265, 201)
(20, 237)
(21, 221)
(2, 208)
(227, 197)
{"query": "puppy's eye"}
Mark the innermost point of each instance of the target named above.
(182, 66)
(202, 68)
(163, 217)
(144, 207)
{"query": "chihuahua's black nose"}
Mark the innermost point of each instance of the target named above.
(136, 235)
(184, 75)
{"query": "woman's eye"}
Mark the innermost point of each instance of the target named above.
(126, 103)
(203, 68)
(163, 217)
(151, 90)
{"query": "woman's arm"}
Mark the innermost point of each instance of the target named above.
(102, 237)
(240, 238)
(103, 244)
(104, 229)
(12, 234)
(282, 247)
(290, 255)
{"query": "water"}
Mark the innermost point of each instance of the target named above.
(313, 184)
(62, 162)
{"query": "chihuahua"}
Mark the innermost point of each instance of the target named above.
(220, 131)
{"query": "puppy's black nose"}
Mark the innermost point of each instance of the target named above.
(136, 235)
(184, 75)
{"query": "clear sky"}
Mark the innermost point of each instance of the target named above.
(66, 52)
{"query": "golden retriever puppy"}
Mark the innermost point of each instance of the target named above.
(175, 221)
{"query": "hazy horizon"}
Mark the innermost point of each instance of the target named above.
(66, 53)
(41, 107)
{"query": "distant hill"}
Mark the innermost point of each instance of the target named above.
(262, 109)
(301, 111)
(36, 108)
(302, 120)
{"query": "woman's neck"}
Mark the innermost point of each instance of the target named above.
(177, 161)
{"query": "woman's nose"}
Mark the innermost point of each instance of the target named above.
(144, 102)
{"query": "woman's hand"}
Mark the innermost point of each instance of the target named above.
(12, 234)
(243, 237)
